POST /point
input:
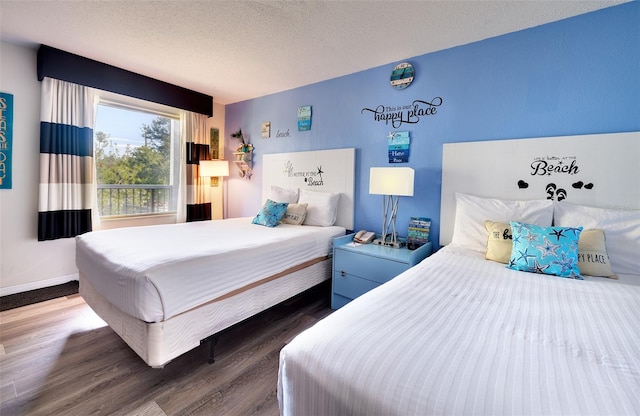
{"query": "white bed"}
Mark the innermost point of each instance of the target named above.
(164, 289)
(460, 334)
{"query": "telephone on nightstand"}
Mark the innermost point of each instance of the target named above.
(364, 237)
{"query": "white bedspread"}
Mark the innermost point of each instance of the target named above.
(459, 335)
(155, 272)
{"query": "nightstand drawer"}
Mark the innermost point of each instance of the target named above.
(351, 286)
(368, 267)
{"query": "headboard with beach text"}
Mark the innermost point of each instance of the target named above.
(600, 170)
(319, 170)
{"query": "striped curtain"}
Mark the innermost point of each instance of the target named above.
(198, 194)
(66, 160)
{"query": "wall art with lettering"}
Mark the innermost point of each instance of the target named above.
(557, 168)
(282, 134)
(398, 144)
(6, 139)
(397, 115)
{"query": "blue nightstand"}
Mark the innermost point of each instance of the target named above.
(359, 268)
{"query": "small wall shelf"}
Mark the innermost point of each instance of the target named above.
(244, 162)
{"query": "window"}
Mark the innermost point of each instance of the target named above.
(136, 155)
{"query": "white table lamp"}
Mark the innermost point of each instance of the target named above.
(392, 183)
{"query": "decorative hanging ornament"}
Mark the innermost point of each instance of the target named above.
(402, 76)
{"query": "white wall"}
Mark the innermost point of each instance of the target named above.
(26, 263)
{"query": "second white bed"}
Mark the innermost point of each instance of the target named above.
(458, 334)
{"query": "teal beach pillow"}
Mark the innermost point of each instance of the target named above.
(271, 213)
(548, 250)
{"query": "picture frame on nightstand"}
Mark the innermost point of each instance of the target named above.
(418, 233)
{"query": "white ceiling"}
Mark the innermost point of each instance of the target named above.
(237, 50)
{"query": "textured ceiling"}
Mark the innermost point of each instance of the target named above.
(237, 50)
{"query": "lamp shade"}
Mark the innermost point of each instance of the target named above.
(214, 168)
(391, 181)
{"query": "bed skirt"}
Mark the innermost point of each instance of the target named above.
(157, 343)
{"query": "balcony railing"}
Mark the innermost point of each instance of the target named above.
(133, 199)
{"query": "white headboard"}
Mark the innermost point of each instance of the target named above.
(319, 170)
(601, 170)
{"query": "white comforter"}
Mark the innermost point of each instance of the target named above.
(153, 273)
(458, 335)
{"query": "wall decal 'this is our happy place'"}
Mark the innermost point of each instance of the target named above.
(405, 113)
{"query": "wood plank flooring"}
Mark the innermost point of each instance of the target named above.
(59, 358)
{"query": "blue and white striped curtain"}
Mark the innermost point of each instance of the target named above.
(66, 160)
(198, 197)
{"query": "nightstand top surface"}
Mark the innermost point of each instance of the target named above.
(403, 255)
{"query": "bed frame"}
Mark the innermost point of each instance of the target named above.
(157, 343)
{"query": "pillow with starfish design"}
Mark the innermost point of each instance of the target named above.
(548, 250)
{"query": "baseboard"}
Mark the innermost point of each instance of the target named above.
(4, 291)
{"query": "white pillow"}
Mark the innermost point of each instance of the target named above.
(473, 211)
(322, 207)
(279, 194)
(621, 228)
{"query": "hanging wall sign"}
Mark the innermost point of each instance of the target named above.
(402, 76)
(398, 143)
(398, 115)
(304, 118)
(265, 132)
(6, 137)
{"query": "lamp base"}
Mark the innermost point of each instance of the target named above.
(391, 244)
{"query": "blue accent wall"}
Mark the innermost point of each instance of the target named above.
(576, 76)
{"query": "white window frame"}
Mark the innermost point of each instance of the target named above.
(168, 217)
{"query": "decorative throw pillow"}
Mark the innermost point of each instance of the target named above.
(271, 213)
(548, 250)
(622, 228)
(322, 208)
(499, 241)
(295, 214)
(593, 259)
(279, 194)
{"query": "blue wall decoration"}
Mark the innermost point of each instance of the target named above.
(6, 139)
(402, 76)
(570, 77)
(304, 118)
(399, 143)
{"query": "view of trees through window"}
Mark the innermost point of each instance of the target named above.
(134, 169)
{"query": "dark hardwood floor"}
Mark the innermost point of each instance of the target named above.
(58, 358)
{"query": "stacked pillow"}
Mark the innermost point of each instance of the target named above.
(298, 207)
(592, 257)
(322, 207)
(472, 211)
(598, 242)
(621, 227)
